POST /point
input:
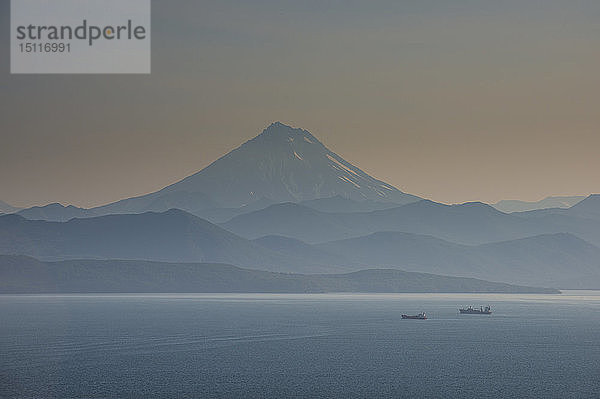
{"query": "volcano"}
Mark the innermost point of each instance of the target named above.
(282, 164)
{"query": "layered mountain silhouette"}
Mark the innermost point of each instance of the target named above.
(561, 260)
(19, 274)
(587, 208)
(172, 236)
(56, 212)
(469, 223)
(283, 202)
(510, 206)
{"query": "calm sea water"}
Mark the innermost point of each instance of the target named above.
(296, 346)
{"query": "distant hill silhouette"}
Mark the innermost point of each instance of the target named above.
(19, 274)
(581, 219)
(295, 221)
(172, 236)
(589, 207)
(339, 204)
(7, 208)
(470, 223)
(510, 206)
(560, 260)
(557, 260)
(56, 212)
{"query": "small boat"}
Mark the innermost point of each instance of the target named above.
(472, 310)
(420, 316)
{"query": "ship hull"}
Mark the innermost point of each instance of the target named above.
(413, 317)
(473, 312)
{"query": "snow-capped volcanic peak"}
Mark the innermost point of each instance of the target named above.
(285, 164)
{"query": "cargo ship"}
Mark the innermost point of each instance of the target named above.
(472, 310)
(420, 316)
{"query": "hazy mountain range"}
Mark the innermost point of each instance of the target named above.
(60, 213)
(556, 260)
(560, 260)
(510, 206)
(171, 236)
(469, 223)
(283, 202)
(55, 212)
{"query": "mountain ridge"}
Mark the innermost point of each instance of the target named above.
(7, 208)
(469, 223)
(510, 206)
(19, 274)
(558, 259)
(171, 236)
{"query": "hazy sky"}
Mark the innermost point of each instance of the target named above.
(450, 100)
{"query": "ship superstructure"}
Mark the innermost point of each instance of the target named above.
(472, 310)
